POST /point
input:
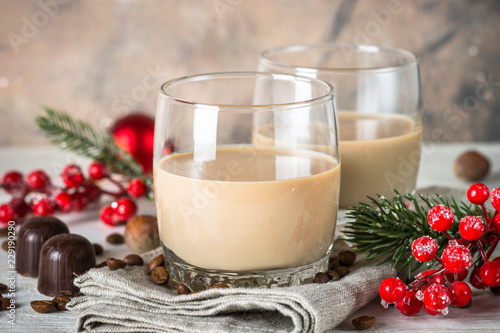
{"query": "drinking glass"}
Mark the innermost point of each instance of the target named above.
(246, 178)
(377, 92)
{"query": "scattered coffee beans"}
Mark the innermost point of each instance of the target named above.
(334, 276)
(321, 278)
(363, 322)
(347, 258)
(159, 275)
(114, 264)
(220, 285)
(4, 303)
(4, 232)
(98, 249)
(3, 288)
(60, 302)
(342, 271)
(155, 262)
(5, 245)
(333, 263)
(43, 306)
(133, 260)
(182, 289)
(115, 239)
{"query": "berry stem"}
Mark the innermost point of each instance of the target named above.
(494, 243)
(450, 237)
(489, 220)
(479, 246)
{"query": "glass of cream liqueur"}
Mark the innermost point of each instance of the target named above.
(377, 93)
(234, 207)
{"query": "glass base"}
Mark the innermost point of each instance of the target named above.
(196, 278)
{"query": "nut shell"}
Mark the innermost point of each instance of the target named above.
(472, 166)
(141, 234)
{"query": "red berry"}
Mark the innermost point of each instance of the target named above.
(72, 176)
(20, 206)
(495, 198)
(125, 209)
(7, 213)
(452, 277)
(137, 188)
(497, 259)
(432, 312)
(12, 181)
(478, 193)
(38, 180)
(97, 170)
(490, 273)
(475, 279)
(437, 297)
(43, 207)
(435, 279)
(471, 227)
(456, 258)
(424, 248)
(78, 201)
(496, 223)
(392, 290)
(92, 192)
(107, 215)
(460, 293)
(440, 218)
(63, 201)
(409, 305)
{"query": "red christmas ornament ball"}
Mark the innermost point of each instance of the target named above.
(135, 134)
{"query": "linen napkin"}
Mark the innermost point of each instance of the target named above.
(126, 300)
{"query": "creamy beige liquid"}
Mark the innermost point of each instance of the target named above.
(378, 152)
(252, 208)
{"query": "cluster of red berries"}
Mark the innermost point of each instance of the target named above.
(35, 193)
(436, 289)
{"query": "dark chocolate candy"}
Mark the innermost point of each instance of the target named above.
(62, 258)
(32, 235)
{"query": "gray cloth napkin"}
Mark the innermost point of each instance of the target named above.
(127, 300)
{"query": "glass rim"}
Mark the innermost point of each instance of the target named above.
(361, 48)
(330, 91)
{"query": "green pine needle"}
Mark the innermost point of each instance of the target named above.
(82, 139)
(385, 229)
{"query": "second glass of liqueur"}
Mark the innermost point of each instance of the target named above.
(378, 98)
(236, 209)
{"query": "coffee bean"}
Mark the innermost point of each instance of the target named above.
(3, 288)
(182, 289)
(98, 249)
(159, 275)
(363, 322)
(342, 271)
(115, 239)
(4, 303)
(321, 278)
(4, 232)
(42, 306)
(60, 302)
(155, 262)
(219, 285)
(333, 263)
(347, 258)
(101, 264)
(133, 260)
(334, 276)
(5, 245)
(114, 264)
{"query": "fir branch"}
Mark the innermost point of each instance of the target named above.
(386, 229)
(82, 139)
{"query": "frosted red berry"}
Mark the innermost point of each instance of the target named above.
(440, 218)
(495, 198)
(37, 180)
(460, 293)
(424, 248)
(409, 305)
(456, 258)
(97, 170)
(125, 209)
(43, 207)
(478, 193)
(7, 213)
(107, 215)
(471, 227)
(490, 273)
(437, 297)
(72, 176)
(392, 290)
(475, 279)
(63, 201)
(431, 312)
(12, 180)
(137, 188)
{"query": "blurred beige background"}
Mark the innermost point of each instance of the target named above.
(101, 59)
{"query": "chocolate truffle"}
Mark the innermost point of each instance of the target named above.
(32, 235)
(62, 258)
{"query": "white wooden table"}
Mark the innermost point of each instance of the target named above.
(436, 170)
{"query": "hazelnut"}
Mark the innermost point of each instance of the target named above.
(471, 166)
(141, 234)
